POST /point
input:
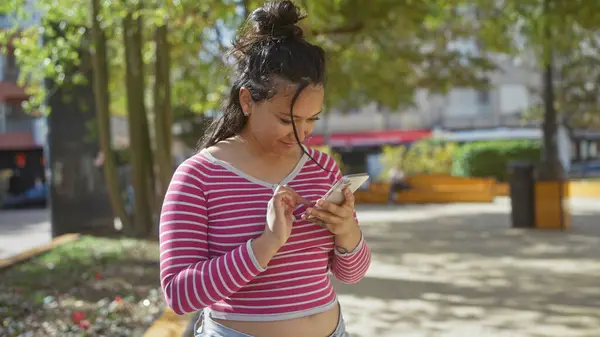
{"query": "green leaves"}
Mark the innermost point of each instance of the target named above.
(380, 53)
(425, 156)
(492, 158)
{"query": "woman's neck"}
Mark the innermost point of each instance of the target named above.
(250, 144)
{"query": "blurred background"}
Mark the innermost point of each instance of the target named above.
(478, 122)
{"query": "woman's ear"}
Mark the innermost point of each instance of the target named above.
(245, 100)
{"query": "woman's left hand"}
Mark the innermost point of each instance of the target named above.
(339, 220)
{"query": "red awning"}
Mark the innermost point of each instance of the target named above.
(369, 138)
(314, 140)
(17, 141)
(11, 93)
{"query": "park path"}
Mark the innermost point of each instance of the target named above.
(448, 270)
(460, 270)
(21, 230)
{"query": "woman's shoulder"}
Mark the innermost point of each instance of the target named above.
(198, 166)
(222, 151)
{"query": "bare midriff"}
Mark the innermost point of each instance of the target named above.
(318, 325)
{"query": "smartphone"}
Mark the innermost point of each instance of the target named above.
(335, 195)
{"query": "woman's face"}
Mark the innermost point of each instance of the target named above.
(269, 121)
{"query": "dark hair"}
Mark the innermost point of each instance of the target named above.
(269, 48)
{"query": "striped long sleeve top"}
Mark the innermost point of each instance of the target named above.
(211, 213)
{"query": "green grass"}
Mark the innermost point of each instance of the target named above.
(113, 283)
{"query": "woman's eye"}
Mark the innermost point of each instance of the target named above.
(285, 121)
(314, 119)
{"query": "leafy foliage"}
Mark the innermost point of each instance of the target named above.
(386, 50)
(430, 156)
(560, 39)
(381, 53)
(577, 99)
(391, 156)
(491, 159)
(424, 156)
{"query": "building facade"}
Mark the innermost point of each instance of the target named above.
(14, 122)
(511, 92)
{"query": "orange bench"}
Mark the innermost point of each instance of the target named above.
(433, 188)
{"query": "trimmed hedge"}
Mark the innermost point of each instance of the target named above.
(490, 159)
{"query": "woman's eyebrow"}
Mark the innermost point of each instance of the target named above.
(287, 114)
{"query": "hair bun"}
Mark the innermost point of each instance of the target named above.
(277, 19)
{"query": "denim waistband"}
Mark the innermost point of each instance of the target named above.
(207, 327)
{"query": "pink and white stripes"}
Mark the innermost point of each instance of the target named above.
(210, 214)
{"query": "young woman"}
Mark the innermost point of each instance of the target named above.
(235, 237)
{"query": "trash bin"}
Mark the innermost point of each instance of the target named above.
(522, 194)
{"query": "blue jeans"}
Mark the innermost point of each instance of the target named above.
(210, 328)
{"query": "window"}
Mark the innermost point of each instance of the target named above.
(461, 102)
(514, 98)
(593, 150)
(483, 96)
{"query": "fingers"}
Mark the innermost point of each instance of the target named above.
(298, 198)
(324, 216)
(283, 191)
(348, 199)
(341, 210)
(316, 220)
(325, 213)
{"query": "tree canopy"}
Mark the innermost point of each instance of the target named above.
(563, 33)
(381, 53)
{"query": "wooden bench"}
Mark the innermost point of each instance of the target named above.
(433, 188)
(502, 189)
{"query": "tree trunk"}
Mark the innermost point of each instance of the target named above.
(163, 117)
(140, 146)
(551, 168)
(102, 102)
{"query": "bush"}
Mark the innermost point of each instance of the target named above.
(429, 156)
(390, 157)
(424, 156)
(491, 159)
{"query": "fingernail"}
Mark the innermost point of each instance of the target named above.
(319, 202)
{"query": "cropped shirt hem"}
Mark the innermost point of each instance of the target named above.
(270, 317)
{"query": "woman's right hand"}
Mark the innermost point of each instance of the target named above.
(280, 214)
